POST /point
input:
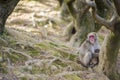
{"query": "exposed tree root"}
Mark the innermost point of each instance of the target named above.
(10, 50)
(11, 75)
(68, 73)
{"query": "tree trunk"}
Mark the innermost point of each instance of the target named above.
(6, 8)
(69, 31)
(83, 26)
(108, 55)
(64, 11)
(110, 49)
(84, 22)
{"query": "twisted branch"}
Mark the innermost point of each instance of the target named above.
(107, 23)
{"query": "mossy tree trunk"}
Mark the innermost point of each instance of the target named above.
(111, 46)
(64, 13)
(6, 8)
(82, 26)
(109, 54)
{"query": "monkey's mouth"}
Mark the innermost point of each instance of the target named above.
(92, 39)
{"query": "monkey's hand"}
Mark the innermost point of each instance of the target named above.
(97, 50)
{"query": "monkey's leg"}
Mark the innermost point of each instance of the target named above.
(87, 58)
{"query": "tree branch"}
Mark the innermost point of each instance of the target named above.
(114, 18)
(111, 7)
(117, 6)
(71, 8)
(106, 23)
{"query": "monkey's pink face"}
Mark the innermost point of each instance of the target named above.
(92, 39)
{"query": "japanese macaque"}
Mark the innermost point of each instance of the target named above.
(89, 51)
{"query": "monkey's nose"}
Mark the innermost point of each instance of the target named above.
(97, 50)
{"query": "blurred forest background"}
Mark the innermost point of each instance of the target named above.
(42, 37)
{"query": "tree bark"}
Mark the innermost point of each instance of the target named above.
(84, 23)
(64, 11)
(117, 5)
(69, 31)
(83, 26)
(108, 55)
(6, 8)
(110, 48)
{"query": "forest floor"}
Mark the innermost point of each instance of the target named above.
(33, 47)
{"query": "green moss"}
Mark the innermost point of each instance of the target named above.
(34, 53)
(3, 68)
(55, 53)
(42, 46)
(72, 57)
(65, 55)
(58, 62)
(101, 38)
(51, 48)
(13, 42)
(23, 78)
(114, 76)
(16, 58)
(39, 70)
(53, 44)
(26, 69)
(72, 77)
(58, 53)
(35, 70)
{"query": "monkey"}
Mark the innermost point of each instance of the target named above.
(89, 51)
